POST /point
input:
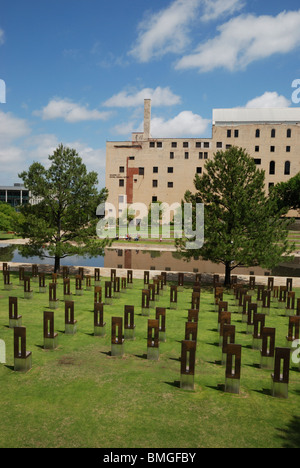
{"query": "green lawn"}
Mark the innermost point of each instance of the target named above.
(80, 396)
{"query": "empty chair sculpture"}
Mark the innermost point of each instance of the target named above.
(15, 320)
(22, 358)
(280, 378)
(129, 326)
(117, 340)
(99, 324)
(187, 366)
(50, 337)
(153, 339)
(70, 322)
(267, 348)
(160, 315)
(233, 368)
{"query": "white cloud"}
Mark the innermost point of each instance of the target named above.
(185, 124)
(159, 97)
(268, 100)
(166, 31)
(70, 111)
(245, 39)
(12, 128)
(213, 9)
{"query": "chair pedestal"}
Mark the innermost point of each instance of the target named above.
(23, 364)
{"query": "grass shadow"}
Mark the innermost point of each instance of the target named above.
(175, 384)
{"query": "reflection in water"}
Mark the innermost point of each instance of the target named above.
(148, 260)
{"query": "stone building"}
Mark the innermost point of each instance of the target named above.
(148, 169)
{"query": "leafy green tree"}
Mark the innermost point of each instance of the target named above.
(64, 222)
(242, 224)
(287, 194)
(8, 217)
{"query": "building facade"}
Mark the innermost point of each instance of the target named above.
(148, 169)
(17, 195)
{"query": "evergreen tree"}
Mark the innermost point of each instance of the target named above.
(242, 224)
(287, 194)
(64, 222)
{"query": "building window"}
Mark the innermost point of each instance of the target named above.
(131, 158)
(121, 198)
(228, 133)
(288, 149)
(185, 144)
(287, 168)
(206, 144)
(272, 168)
(219, 144)
(256, 149)
(257, 161)
(121, 182)
(155, 170)
(273, 133)
(141, 171)
(199, 170)
(154, 199)
(154, 183)
(257, 133)
(288, 133)
(152, 144)
(205, 155)
(171, 155)
(272, 149)
(170, 184)
(236, 133)
(198, 144)
(121, 169)
(159, 144)
(174, 144)
(201, 155)
(228, 146)
(186, 155)
(271, 184)
(170, 170)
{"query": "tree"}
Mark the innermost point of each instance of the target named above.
(8, 217)
(242, 225)
(64, 222)
(287, 194)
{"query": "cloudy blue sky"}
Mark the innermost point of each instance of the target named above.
(77, 71)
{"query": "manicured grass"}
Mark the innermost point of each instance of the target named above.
(80, 396)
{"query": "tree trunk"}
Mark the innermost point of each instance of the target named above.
(56, 264)
(227, 281)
